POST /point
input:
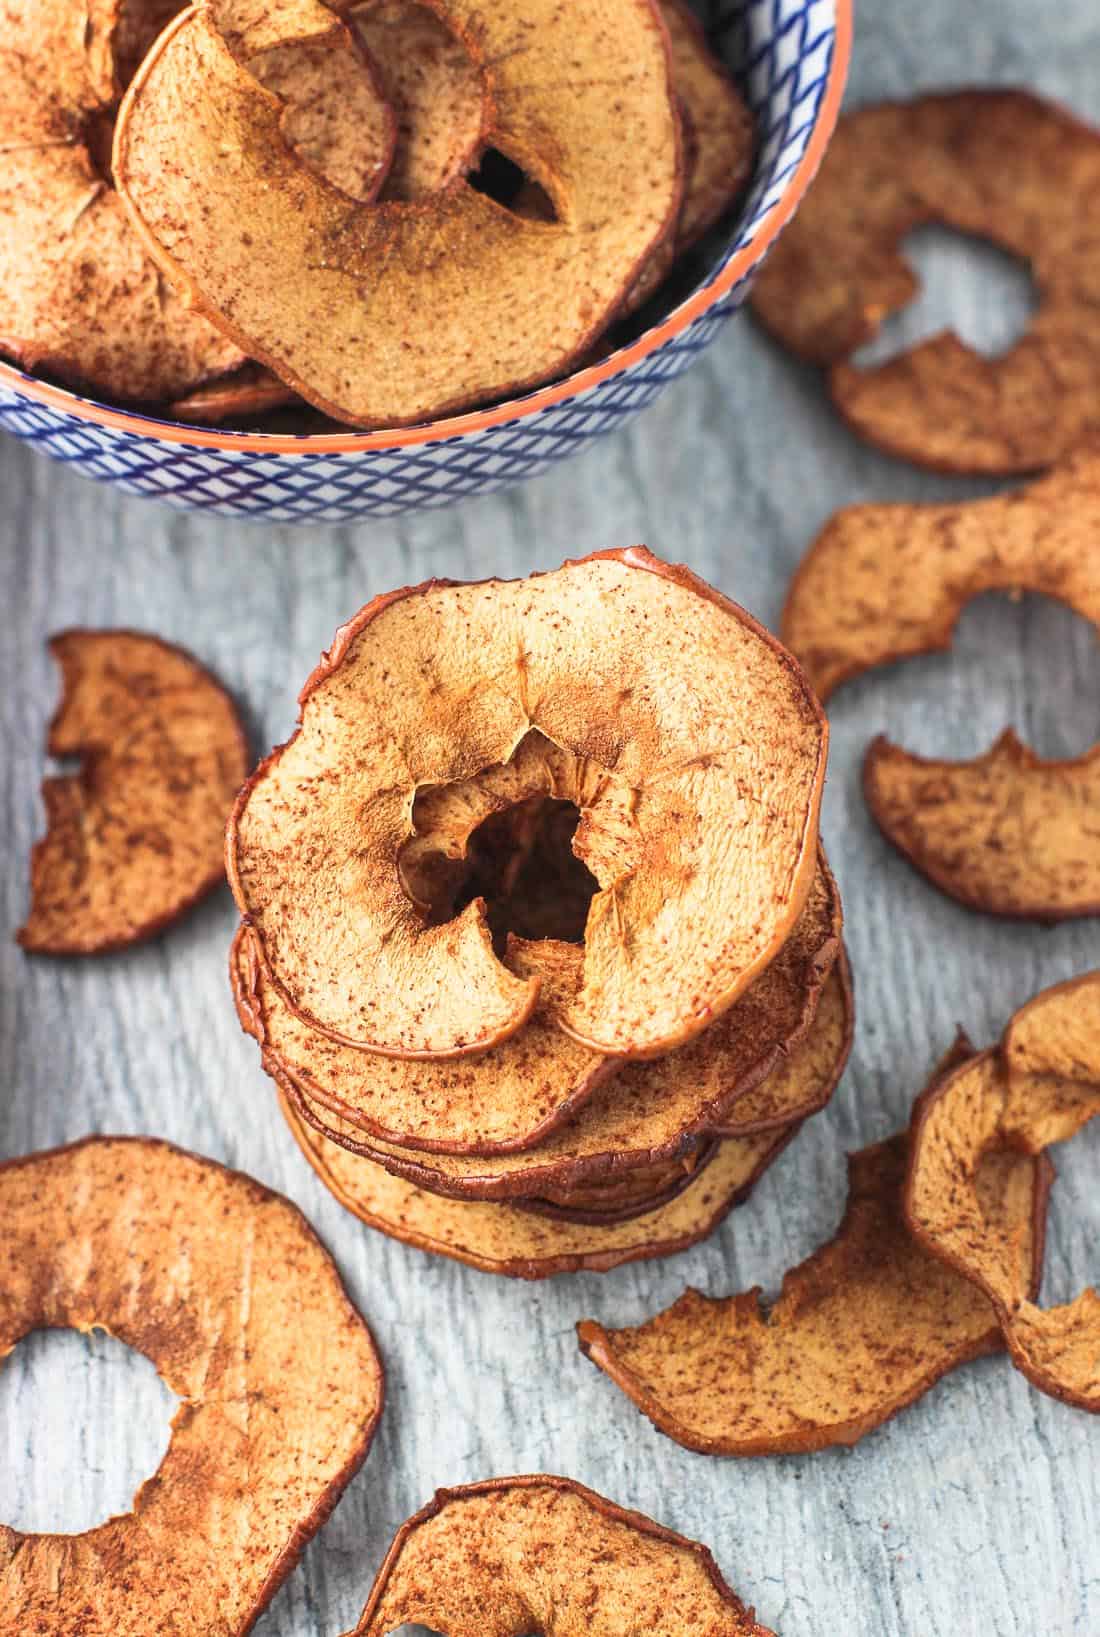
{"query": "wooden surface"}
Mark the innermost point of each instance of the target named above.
(974, 1512)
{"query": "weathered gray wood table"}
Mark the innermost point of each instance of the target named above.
(976, 1511)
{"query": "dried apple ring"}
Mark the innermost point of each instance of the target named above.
(134, 839)
(322, 294)
(79, 297)
(1040, 1088)
(669, 745)
(979, 162)
(226, 1288)
(512, 1555)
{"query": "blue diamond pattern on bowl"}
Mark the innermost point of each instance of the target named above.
(782, 52)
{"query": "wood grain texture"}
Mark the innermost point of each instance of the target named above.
(974, 1512)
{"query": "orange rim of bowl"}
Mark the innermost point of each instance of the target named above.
(514, 409)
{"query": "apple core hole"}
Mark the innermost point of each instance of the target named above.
(983, 293)
(521, 862)
(84, 1421)
(502, 180)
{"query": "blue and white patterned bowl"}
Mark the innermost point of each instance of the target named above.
(790, 58)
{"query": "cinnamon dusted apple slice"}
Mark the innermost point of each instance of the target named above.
(224, 1286)
(720, 125)
(322, 293)
(135, 837)
(1040, 1087)
(685, 735)
(514, 1555)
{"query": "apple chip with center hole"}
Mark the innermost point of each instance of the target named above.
(979, 162)
(323, 291)
(136, 836)
(686, 737)
(1040, 1087)
(226, 1288)
(513, 1555)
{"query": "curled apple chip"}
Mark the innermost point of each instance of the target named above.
(979, 162)
(226, 1288)
(521, 1244)
(625, 1117)
(718, 159)
(686, 737)
(321, 293)
(1007, 833)
(883, 583)
(135, 837)
(79, 297)
(621, 1198)
(861, 1330)
(507, 1556)
(1040, 1087)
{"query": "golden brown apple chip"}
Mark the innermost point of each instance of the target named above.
(861, 1329)
(1040, 1088)
(436, 92)
(508, 1239)
(135, 837)
(980, 162)
(1007, 833)
(225, 1287)
(648, 1113)
(507, 1556)
(322, 293)
(686, 736)
(79, 297)
(883, 583)
(719, 151)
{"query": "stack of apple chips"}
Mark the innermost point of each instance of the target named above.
(545, 963)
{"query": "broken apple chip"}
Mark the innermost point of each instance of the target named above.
(626, 1117)
(669, 718)
(324, 295)
(980, 162)
(1006, 833)
(883, 583)
(224, 1286)
(135, 837)
(79, 298)
(1040, 1087)
(861, 1329)
(521, 1244)
(718, 158)
(513, 1555)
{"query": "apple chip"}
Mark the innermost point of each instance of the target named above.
(861, 1330)
(225, 1287)
(436, 92)
(979, 162)
(622, 1198)
(322, 294)
(668, 744)
(1040, 1088)
(507, 1556)
(522, 1244)
(135, 837)
(79, 298)
(1007, 833)
(250, 390)
(718, 162)
(883, 583)
(648, 1113)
